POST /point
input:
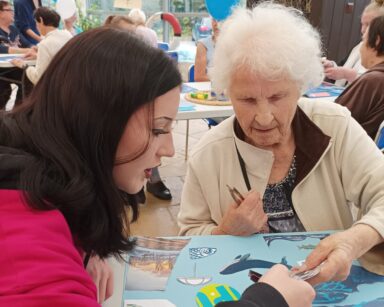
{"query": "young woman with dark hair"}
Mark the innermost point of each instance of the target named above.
(73, 156)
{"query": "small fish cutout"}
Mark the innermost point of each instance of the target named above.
(201, 252)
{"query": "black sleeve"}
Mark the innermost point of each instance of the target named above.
(258, 295)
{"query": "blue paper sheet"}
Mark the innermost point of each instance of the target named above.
(324, 90)
(224, 261)
(186, 106)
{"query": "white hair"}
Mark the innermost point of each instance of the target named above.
(271, 41)
(137, 16)
(376, 6)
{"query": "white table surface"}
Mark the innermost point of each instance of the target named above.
(7, 64)
(205, 111)
(202, 111)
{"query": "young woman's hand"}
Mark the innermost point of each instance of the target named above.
(297, 293)
(102, 275)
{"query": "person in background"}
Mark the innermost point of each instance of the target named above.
(47, 21)
(139, 18)
(72, 157)
(24, 20)
(70, 25)
(352, 68)
(365, 96)
(204, 54)
(11, 41)
(298, 163)
(120, 22)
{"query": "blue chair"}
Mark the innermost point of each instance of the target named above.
(162, 45)
(191, 73)
(174, 55)
(380, 137)
(191, 78)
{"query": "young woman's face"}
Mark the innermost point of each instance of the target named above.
(130, 176)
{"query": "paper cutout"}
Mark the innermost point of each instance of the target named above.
(300, 237)
(151, 263)
(213, 294)
(194, 280)
(337, 292)
(242, 263)
(201, 252)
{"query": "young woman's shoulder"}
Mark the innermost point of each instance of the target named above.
(39, 261)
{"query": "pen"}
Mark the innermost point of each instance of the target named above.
(236, 195)
(239, 198)
(254, 276)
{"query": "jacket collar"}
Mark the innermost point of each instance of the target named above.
(311, 143)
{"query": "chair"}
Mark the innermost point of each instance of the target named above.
(191, 78)
(380, 137)
(162, 45)
(191, 73)
(174, 55)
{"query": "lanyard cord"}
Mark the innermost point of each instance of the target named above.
(243, 170)
(246, 179)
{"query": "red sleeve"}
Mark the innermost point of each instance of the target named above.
(39, 264)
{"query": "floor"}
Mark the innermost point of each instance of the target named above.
(158, 217)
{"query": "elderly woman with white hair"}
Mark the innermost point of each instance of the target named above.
(300, 165)
(139, 18)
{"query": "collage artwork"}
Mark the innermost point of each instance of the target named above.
(204, 270)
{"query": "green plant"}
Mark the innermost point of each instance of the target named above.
(89, 20)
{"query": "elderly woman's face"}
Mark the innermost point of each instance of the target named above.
(264, 109)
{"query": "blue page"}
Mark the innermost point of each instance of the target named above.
(210, 269)
(324, 90)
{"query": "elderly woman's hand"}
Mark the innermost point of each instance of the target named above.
(244, 219)
(339, 250)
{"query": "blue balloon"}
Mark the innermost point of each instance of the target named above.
(220, 9)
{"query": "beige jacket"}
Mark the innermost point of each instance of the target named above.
(47, 49)
(339, 165)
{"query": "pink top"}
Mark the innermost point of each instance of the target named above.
(39, 263)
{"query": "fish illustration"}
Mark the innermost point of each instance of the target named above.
(201, 252)
(307, 246)
(270, 238)
(243, 262)
(335, 292)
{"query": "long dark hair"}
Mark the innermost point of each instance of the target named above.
(72, 123)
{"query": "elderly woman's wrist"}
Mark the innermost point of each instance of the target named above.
(363, 237)
(219, 231)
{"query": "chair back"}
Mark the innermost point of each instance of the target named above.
(191, 73)
(380, 137)
(162, 45)
(174, 55)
